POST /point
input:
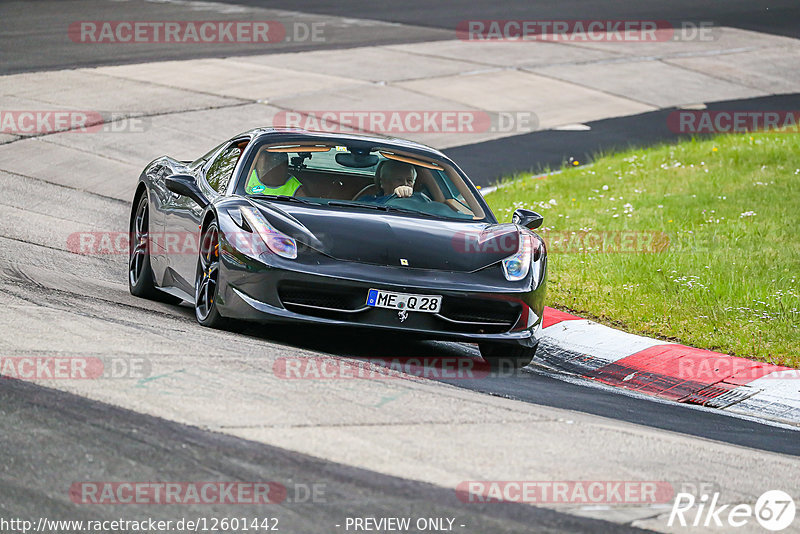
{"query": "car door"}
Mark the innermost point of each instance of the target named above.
(161, 200)
(182, 220)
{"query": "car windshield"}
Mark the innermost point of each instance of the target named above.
(381, 178)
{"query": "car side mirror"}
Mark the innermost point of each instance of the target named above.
(527, 218)
(186, 186)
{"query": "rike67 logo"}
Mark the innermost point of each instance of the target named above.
(774, 510)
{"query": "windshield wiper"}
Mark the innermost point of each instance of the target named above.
(342, 204)
(286, 198)
(409, 210)
(382, 207)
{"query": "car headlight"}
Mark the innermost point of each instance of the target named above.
(517, 266)
(278, 242)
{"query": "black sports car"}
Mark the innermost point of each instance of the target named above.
(318, 228)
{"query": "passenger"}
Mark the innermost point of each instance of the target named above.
(270, 176)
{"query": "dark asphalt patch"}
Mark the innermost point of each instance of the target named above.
(51, 440)
(779, 17)
(489, 161)
(39, 37)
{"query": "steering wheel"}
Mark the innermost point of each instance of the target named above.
(367, 188)
(422, 197)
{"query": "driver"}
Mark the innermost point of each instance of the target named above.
(270, 176)
(395, 178)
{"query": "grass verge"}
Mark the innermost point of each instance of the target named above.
(697, 242)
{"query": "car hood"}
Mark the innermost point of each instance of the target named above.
(395, 239)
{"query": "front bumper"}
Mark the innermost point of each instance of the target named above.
(316, 289)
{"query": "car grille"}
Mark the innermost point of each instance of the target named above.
(458, 314)
(322, 300)
(480, 315)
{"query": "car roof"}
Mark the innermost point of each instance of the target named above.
(293, 135)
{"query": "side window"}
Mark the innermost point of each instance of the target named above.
(221, 170)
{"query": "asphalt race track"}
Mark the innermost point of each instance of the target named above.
(771, 17)
(164, 449)
(208, 405)
(38, 42)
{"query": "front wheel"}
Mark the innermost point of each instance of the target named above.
(207, 282)
(140, 273)
(501, 356)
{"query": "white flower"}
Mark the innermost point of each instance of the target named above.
(605, 188)
(747, 214)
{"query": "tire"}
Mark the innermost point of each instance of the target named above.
(207, 280)
(504, 356)
(140, 273)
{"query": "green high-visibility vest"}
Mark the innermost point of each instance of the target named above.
(254, 186)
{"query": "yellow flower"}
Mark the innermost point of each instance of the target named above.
(477, 187)
(669, 220)
(575, 162)
(573, 200)
(715, 148)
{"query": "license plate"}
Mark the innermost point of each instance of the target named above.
(404, 301)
